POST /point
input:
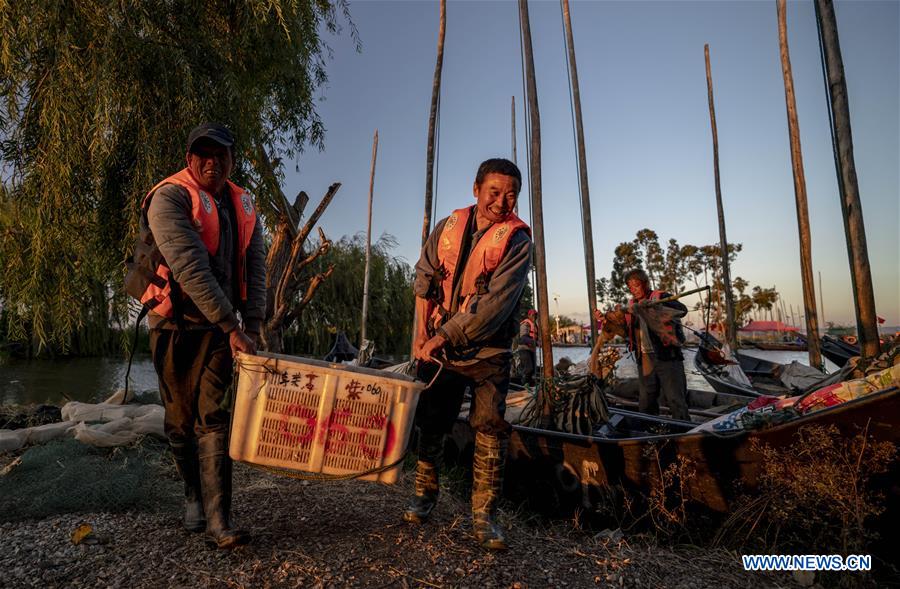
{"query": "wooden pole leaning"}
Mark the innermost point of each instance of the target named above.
(365, 305)
(806, 267)
(848, 187)
(730, 335)
(429, 150)
(587, 229)
(537, 216)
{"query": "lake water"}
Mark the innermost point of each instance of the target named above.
(95, 379)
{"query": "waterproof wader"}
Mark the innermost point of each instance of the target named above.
(438, 408)
(195, 370)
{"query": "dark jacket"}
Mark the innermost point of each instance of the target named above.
(207, 281)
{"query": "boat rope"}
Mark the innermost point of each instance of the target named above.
(437, 159)
(708, 304)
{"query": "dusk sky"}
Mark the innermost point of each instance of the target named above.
(647, 131)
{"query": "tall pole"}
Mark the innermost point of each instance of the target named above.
(730, 335)
(429, 150)
(851, 205)
(586, 228)
(365, 305)
(537, 213)
(806, 267)
(432, 120)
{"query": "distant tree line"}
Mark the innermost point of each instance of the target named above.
(680, 267)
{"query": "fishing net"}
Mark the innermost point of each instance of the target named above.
(577, 405)
(66, 476)
(660, 320)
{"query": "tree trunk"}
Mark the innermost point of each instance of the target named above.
(284, 265)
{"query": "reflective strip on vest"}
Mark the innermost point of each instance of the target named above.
(484, 258)
(205, 218)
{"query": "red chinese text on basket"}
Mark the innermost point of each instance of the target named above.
(338, 435)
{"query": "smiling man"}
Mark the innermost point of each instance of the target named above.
(469, 280)
(199, 263)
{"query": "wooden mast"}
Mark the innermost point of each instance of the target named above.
(429, 150)
(848, 187)
(806, 267)
(432, 119)
(730, 335)
(587, 230)
(537, 215)
(365, 305)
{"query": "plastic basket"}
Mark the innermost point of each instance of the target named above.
(317, 417)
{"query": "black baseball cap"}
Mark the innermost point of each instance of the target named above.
(214, 131)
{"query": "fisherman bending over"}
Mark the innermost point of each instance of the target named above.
(199, 260)
(469, 280)
(655, 336)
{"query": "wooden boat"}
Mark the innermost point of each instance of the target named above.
(837, 350)
(560, 470)
(782, 346)
(766, 377)
(702, 405)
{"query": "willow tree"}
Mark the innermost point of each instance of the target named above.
(98, 97)
(335, 307)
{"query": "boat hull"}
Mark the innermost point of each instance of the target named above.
(582, 471)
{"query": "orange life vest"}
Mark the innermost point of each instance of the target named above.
(483, 259)
(532, 328)
(205, 217)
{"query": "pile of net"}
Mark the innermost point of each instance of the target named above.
(577, 396)
(67, 476)
(93, 457)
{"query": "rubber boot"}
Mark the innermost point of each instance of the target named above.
(431, 450)
(188, 466)
(487, 483)
(215, 476)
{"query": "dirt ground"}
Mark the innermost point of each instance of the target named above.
(346, 534)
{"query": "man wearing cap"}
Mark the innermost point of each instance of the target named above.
(200, 270)
(527, 350)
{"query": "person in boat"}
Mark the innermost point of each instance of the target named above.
(199, 263)
(469, 279)
(527, 347)
(655, 336)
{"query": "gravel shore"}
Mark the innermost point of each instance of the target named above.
(342, 534)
